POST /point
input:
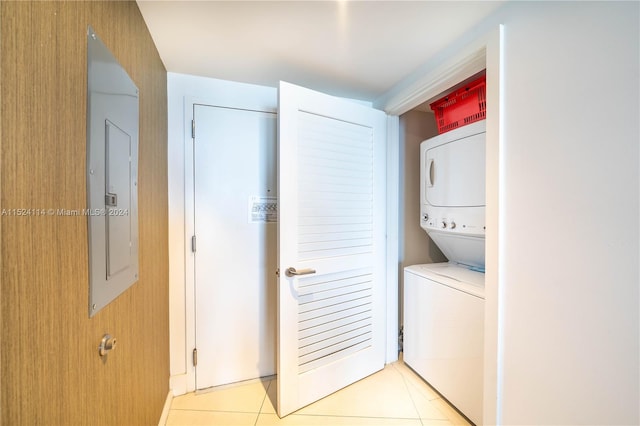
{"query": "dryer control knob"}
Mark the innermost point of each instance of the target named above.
(452, 225)
(443, 224)
(425, 217)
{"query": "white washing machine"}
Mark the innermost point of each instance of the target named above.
(444, 302)
(444, 331)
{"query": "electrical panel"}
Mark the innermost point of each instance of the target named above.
(112, 175)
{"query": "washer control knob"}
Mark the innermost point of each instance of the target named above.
(443, 224)
(452, 225)
(425, 217)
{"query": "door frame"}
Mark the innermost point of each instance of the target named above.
(190, 271)
(247, 100)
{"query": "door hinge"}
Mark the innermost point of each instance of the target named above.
(193, 129)
(193, 244)
(195, 357)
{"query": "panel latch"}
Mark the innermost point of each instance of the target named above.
(110, 199)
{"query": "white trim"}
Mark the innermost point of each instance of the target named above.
(499, 234)
(165, 410)
(393, 183)
(178, 384)
(471, 61)
(189, 257)
(494, 222)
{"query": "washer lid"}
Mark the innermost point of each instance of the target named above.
(462, 249)
(452, 275)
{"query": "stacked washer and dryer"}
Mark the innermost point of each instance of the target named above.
(444, 302)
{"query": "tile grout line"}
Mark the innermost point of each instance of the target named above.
(443, 401)
(200, 410)
(266, 395)
(343, 416)
(406, 385)
(422, 381)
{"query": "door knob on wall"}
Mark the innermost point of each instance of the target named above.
(106, 344)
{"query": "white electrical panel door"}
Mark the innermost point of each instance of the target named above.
(235, 244)
(454, 173)
(331, 236)
(118, 187)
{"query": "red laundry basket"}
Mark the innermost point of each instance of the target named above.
(463, 106)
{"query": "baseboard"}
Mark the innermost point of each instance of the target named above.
(178, 384)
(165, 410)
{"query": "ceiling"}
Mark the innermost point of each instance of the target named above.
(356, 49)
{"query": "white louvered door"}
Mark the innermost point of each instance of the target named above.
(331, 231)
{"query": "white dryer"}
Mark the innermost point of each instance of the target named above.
(444, 302)
(452, 193)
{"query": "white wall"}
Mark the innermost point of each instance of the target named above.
(183, 91)
(569, 251)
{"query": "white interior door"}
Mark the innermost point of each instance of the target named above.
(331, 177)
(235, 257)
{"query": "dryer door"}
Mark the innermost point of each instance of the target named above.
(455, 173)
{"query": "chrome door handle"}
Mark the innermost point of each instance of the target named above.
(291, 272)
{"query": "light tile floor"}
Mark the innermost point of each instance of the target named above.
(393, 396)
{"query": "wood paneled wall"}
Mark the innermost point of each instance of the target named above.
(51, 373)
